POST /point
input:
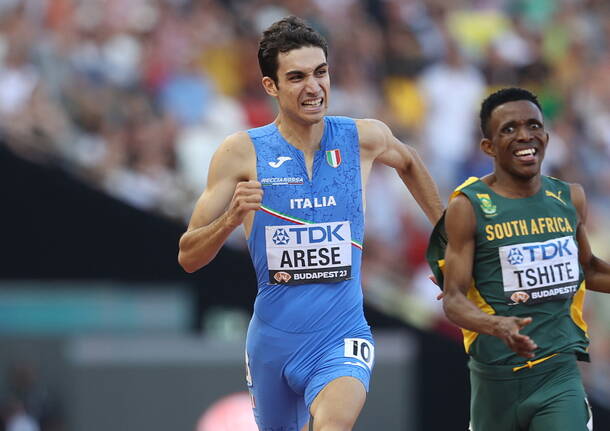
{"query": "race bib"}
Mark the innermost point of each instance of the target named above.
(359, 348)
(312, 253)
(540, 271)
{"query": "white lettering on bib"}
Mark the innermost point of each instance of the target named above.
(540, 271)
(311, 253)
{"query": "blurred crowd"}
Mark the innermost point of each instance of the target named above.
(135, 96)
(27, 404)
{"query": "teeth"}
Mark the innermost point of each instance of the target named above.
(526, 152)
(313, 102)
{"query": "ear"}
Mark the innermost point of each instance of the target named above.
(269, 86)
(487, 147)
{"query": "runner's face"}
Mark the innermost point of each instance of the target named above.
(303, 84)
(517, 139)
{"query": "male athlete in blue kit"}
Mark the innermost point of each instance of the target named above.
(296, 186)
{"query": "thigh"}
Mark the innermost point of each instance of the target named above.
(338, 404)
(492, 404)
(350, 357)
(336, 389)
(275, 404)
(563, 406)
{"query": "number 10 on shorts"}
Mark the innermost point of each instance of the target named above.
(360, 348)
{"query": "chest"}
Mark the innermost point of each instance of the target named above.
(329, 185)
(502, 221)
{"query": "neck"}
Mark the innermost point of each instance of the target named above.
(513, 187)
(305, 137)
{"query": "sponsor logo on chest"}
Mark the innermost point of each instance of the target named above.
(324, 201)
(280, 161)
(281, 181)
(319, 252)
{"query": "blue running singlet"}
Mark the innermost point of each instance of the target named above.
(308, 326)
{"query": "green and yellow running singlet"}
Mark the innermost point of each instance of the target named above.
(525, 264)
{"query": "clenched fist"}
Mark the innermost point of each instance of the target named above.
(247, 197)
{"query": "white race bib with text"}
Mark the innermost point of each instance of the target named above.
(540, 271)
(311, 253)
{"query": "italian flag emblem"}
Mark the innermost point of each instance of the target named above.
(333, 157)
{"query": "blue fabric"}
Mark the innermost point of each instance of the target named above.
(289, 370)
(296, 341)
(310, 308)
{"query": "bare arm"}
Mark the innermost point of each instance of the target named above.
(597, 271)
(229, 197)
(378, 143)
(460, 224)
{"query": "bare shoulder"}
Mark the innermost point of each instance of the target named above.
(460, 214)
(460, 204)
(371, 132)
(236, 156)
(238, 145)
(577, 193)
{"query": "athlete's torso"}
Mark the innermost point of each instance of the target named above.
(306, 241)
(526, 264)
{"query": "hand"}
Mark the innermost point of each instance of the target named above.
(247, 197)
(433, 279)
(507, 329)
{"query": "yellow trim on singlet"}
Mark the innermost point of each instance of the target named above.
(475, 296)
(530, 364)
(441, 264)
(578, 301)
(466, 183)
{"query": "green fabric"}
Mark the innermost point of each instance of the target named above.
(549, 396)
(530, 232)
(436, 249)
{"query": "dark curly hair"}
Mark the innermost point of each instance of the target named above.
(501, 97)
(285, 35)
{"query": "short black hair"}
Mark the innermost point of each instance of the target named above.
(500, 97)
(285, 35)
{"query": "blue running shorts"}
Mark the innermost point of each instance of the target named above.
(286, 371)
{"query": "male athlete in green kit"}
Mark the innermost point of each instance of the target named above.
(513, 251)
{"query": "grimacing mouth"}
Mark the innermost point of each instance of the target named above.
(527, 151)
(318, 101)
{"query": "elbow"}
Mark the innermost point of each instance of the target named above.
(192, 258)
(185, 264)
(448, 306)
(184, 258)
(191, 263)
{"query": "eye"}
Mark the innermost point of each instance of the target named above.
(508, 129)
(321, 72)
(535, 126)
